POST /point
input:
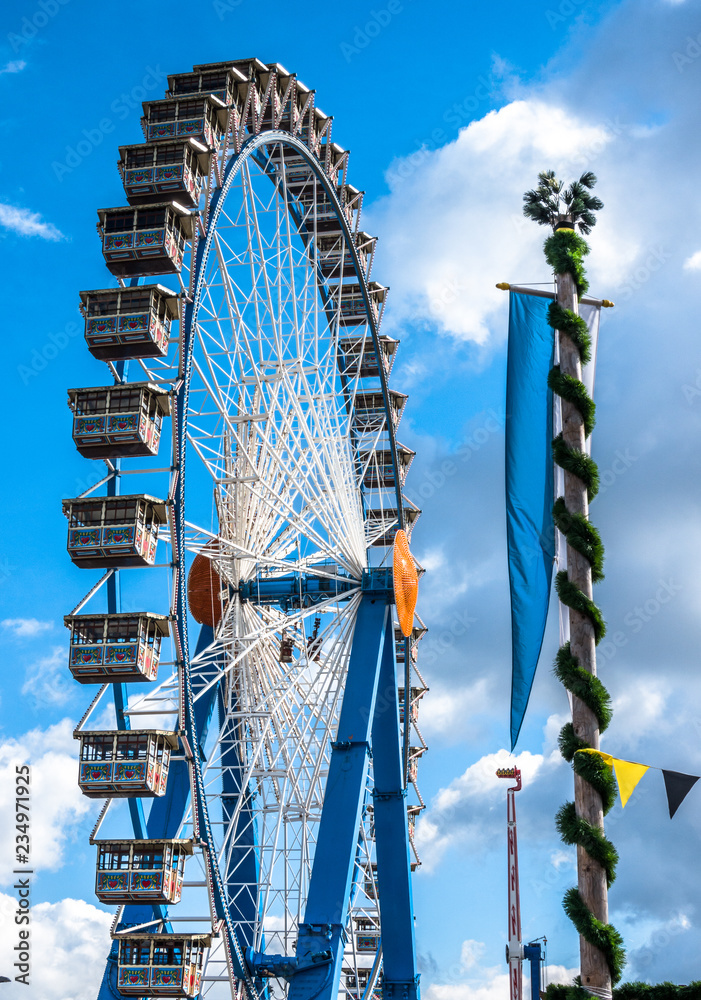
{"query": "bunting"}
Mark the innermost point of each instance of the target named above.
(629, 772)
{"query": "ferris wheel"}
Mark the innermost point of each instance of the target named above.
(255, 733)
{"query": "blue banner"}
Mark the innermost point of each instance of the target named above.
(529, 490)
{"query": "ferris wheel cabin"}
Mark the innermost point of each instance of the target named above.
(203, 118)
(217, 79)
(112, 421)
(114, 531)
(141, 871)
(146, 240)
(369, 414)
(161, 965)
(379, 468)
(177, 169)
(125, 763)
(359, 357)
(117, 648)
(128, 322)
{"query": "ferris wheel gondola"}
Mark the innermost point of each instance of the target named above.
(273, 748)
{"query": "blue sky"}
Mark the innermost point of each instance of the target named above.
(449, 111)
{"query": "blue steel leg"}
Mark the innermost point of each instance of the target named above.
(400, 980)
(164, 821)
(532, 953)
(241, 872)
(321, 935)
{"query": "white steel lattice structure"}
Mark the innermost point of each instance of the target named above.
(269, 532)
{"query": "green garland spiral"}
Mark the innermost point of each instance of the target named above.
(564, 251)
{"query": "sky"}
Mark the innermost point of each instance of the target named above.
(450, 110)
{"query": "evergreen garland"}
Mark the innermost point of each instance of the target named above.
(605, 937)
(584, 686)
(628, 991)
(574, 830)
(574, 392)
(565, 251)
(578, 463)
(582, 536)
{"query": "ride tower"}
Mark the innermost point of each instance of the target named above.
(516, 951)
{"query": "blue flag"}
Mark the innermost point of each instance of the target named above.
(529, 490)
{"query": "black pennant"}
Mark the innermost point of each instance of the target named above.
(678, 786)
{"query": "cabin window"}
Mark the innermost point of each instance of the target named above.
(149, 217)
(191, 109)
(122, 631)
(105, 305)
(118, 222)
(113, 859)
(134, 747)
(169, 153)
(186, 85)
(162, 112)
(141, 157)
(135, 952)
(168, 954)
(98, 748)
(135, 301)
(148, 860)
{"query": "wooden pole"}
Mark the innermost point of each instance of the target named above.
(590, 874)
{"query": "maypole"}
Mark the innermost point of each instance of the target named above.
(580, 822)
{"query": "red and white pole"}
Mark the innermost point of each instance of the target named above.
(514, 948)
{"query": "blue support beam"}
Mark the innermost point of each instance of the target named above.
(400, 979)
(321, 936)
(532, 953)
(242, 870)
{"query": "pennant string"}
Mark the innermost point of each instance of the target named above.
(629, 772)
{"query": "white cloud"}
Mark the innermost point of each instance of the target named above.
(639, 711)
(26, 223)
(452, 225)
(470, 953)
(69, 945)
(57, 805)
(693, 263)
(490, 983)
(47, 680)
(25, 628)
(16, 66)
(461, 812)
(445, 712)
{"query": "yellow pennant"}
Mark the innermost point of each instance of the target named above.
(607, 758)
(628, 774)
